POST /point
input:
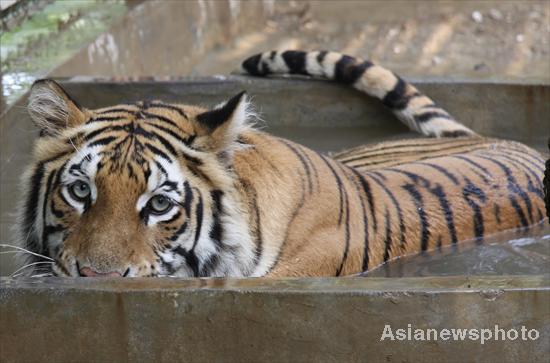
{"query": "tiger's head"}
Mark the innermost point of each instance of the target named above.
(142, 189)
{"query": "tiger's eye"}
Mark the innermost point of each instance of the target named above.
(159, 204)
(80, 190)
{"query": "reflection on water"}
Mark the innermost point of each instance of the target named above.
(46, 37)
(519, 252)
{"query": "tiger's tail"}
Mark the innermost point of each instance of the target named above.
(412, 107)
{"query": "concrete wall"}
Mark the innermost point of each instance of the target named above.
(257, 320)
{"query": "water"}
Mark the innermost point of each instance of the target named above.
(516, 252)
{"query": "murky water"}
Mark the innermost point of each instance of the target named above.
(517, 252)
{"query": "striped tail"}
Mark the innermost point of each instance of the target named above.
(413, 108)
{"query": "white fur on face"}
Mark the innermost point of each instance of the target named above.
(170, 172)
(88, 159)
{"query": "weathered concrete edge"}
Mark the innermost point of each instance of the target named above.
(242, 78)
(349, 285)
(269, 81)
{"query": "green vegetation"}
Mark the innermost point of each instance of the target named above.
(50, 37)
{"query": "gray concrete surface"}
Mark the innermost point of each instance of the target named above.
(257, 320)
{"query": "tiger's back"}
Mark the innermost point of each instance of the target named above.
(373, 203)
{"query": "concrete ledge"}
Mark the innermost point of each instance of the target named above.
(253, 320)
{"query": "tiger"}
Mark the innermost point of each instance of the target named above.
(152, 189)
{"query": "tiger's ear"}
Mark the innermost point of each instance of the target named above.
(52, 109)
(219, 128)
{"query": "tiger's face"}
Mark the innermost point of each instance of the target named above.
(134, 190)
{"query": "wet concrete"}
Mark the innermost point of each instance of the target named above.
(504, 40)
(301, 320)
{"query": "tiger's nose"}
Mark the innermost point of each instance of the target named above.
(88, 272)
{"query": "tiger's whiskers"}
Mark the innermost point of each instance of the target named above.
(15, 273)
(23, 250)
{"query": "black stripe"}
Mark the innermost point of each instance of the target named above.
(45, 248)
(252, 66)
(340, 188)
(257, 223)
(321, 57)
(295, 61)
(421, 143)
(216, 233)
(516, 160)
(190, 258)
(199, 216)
(167, 145)
(424, 225)
(113, 110)
(348, 71)
(473, 163)
(418, 152)
(156, 117)
(172, 133)
(368, 192)
(106, 118)
(447, 211)
(31, 208)
(441, 169)
(396, 205)
(379, 174)
(388, 239)
(188, 198)
(347, 227)
(539, 166)
(302, 161)
(427, 116)
(94, 133)
(180, 230)
(172, 186)
(103, 141)
(414, 177)
(471, 190)
(467, 159)
(157, 151)
(49, 230)
(161, 168)
(396, 98)
(455, 133)
(366, 189)
(514, 188)
(438, 192)
(173, 218)
(298, 207)
(169, 107)
(55, 212)
(533, 189)
(209, 265)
